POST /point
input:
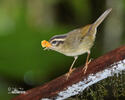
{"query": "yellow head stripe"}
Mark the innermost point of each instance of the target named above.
(57, 40)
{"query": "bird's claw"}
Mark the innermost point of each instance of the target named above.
(69, 73)
(86, 66)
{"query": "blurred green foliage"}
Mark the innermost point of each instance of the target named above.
(24, 23)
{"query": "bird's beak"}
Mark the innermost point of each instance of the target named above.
(45, 44)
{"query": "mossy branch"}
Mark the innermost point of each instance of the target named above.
(60, 88)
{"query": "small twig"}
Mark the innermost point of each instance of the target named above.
(60, 88)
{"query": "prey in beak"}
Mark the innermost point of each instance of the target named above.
(45, 44)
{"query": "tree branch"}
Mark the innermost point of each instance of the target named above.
(60, 88)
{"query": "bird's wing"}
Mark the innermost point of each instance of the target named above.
(73, 38)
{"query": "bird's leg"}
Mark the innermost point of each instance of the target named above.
(71, 68)
(87, 62)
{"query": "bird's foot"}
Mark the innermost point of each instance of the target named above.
(69, 73)
(86, 66)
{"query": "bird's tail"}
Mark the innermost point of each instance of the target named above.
(101, 18)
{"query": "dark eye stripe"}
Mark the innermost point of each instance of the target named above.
(58, 37)
(59, 42)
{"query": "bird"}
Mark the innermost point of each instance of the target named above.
(76, 42)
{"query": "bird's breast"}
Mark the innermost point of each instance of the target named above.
(81, 48)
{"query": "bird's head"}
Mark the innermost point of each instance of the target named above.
(55, 43)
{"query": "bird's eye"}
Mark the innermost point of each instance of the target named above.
(54, 42)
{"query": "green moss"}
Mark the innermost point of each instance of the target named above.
(112, 88)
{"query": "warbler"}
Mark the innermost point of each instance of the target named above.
(76, 42)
